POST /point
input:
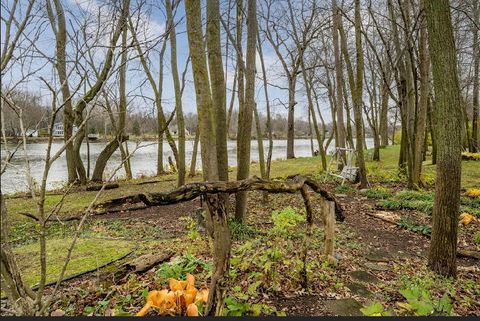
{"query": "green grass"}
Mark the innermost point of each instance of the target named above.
(87, 254)
(410, 200)
(378, 192)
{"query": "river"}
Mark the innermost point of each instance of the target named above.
(143, 160)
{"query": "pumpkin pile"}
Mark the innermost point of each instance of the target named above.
(181, 299)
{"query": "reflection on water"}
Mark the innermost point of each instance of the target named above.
(143, 161)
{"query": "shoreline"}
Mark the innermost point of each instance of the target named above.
(34, 140)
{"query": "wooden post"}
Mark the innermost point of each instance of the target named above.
(328, 216)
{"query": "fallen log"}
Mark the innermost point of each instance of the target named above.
(191, 191)
(469, 254)
(143, 263)
(146, 262)
(99, 187)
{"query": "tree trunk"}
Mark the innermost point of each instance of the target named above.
(340, 141)
(218, 86)
(193, 164)
(292, 82)
(384, 115)
(476, 81)
(432, 132)
(448, 120)
(178, 96)
(313, 116)
(61, 66)
(422, 110)
(310, 132)
(205, 112)
(160, 124)
(104, 156)
(356, 86)
(245, 115)
(267, 102)
(122, 106)
(261, 151)
(232, 102)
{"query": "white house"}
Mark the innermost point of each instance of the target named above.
(58, 129)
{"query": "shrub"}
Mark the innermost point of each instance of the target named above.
(285, 220)
(343, 189)
(240, 231)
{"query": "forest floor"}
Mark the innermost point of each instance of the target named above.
(381, 248)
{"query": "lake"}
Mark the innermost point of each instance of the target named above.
(143, 161)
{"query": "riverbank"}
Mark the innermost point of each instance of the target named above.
(149, 138)
(377, 258)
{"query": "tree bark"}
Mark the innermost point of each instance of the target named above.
(193, 164)
(292, 83)
(104, 156)
(475, 145)
(218, 86)
(423, 105)
(261, 151)
(267, 102)
(245, 115)
(448, 120)
(122, 106)
(61, 66)
(340, 127)
(178, 95)
(356, 86)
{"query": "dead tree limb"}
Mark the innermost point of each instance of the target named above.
(191, 191)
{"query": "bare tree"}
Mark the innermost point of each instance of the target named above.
(448, 120)
(178, 94)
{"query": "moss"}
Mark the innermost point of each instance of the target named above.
(87, 254)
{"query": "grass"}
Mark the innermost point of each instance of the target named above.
(87, 254)
(90, 253)
(377, 192)
(384, 171)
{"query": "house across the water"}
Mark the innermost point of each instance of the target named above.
(58, 129)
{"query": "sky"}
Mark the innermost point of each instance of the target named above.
(154, 25)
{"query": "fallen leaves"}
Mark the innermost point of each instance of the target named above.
(466, 218)
(473, 192)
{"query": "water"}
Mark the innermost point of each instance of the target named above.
(143, 161)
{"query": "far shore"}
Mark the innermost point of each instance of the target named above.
(103, 139)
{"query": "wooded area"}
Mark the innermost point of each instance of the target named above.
(219, 96)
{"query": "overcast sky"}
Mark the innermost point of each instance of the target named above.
(155, 25)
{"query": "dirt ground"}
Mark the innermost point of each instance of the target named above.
(383, 250)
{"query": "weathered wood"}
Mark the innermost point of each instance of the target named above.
(191, 191)
(469, 254)
(99, 187)
(329, 226)
(146, 262)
